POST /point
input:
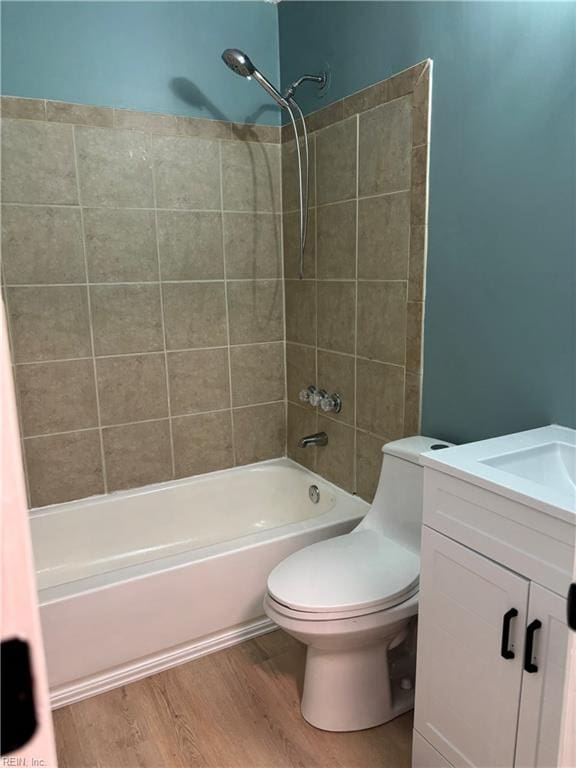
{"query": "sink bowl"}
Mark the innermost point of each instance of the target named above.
(550, 464)
(537, 466)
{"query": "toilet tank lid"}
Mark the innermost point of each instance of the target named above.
(412, 448)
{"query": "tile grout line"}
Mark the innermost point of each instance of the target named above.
(90, 323)
(356, 197)
(149, 421)
(385, 102)
(342, 423)
(229, 356)
(162, 316)
(145, 128)
(144, 352)
(184, 211)
(203, 349)
(145, 282)
(405, 385)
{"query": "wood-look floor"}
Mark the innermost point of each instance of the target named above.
(238, 708)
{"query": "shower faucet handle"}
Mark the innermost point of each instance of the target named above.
(311, 395)
(331, 402)
(317, 397)
(305, 394)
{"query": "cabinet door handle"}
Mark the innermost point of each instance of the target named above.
(531, 630)
(571, 607)
(505, 651)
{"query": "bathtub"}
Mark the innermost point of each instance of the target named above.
(138, 581)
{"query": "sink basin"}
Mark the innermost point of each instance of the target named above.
(538, 466)
(551, 464)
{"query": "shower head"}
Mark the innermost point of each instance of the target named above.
(239, 63)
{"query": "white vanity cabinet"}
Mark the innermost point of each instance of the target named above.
(492, 634)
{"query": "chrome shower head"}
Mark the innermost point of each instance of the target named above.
(238, 62)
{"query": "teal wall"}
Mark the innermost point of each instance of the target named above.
(500, 327)
(500, 346)
(153, 56)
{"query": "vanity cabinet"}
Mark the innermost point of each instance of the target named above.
(492, 641)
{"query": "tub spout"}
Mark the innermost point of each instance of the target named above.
(320, 438)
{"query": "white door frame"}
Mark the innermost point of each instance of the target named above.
(19, 610)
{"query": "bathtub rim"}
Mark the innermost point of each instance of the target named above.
(347, 507)
(143, 490)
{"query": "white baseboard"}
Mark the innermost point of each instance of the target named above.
(70, 693)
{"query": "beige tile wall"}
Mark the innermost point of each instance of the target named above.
(354, 324)
(143, 276)
(142, 268)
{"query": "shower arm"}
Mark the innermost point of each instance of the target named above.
(320, 79)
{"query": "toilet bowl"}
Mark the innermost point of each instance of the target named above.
(353, 601)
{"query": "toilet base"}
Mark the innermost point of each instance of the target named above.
(351, 690)
(354, 666)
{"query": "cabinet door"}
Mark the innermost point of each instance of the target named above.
(543, 681)
(467, 693)
(425, 756)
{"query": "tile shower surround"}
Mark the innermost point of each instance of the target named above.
(142, 268)
(143, 275)
(354, 324)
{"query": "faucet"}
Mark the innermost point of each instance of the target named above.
(320, 438)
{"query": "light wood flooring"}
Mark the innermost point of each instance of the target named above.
(238, 708)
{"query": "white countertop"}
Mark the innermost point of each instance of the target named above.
(536, 467)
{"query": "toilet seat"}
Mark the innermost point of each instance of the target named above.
(356, 613)
(356, 574)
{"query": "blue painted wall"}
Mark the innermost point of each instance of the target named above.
(153, 56)
(500, 346)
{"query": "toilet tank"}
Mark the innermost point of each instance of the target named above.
(397, 507)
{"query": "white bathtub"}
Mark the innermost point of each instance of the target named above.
(138, 581)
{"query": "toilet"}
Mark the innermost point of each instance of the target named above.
(353, 601)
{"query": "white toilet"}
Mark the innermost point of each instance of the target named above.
(353, 601)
